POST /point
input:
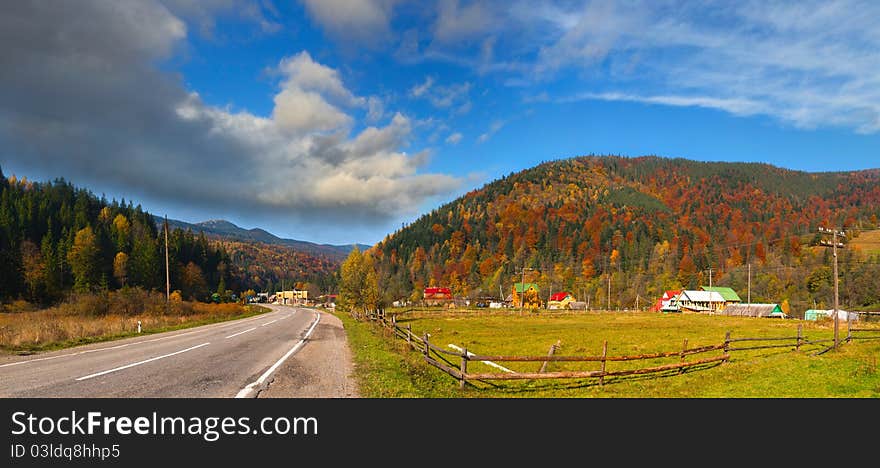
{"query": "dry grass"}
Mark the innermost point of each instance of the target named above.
(868, 242)
(103, 316)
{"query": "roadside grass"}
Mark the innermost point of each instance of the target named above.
(383, 367)
(850, 372)
(52, 329)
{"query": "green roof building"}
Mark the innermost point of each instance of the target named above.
(728, 294)
(520, 287)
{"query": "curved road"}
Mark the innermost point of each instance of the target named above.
(225, 359)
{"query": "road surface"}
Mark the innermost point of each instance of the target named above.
(229, 359)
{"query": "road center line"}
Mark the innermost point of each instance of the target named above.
(250, 388)
(241, 332)
(268, 323)
(97, 374)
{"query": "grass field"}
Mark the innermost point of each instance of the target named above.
(868, 242)
(386, 369)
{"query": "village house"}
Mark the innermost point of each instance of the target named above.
(665, 302)
(434, 296)
(730, 296)
(700, 301)
(294, 296)
(816, 314)
(525, 295)
(754, 310)
(560, 300)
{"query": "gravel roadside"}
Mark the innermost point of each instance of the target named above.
(323, 368)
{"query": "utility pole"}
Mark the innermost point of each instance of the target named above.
(750, 289)
(167, 275)
(710, 277)
(834, 245)
(522, 296)
(608, 306)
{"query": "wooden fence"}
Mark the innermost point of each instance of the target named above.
(443, 359)
(440, 358)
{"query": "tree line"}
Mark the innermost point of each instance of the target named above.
(56, 239)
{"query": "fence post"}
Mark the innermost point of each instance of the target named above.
(425, 341)
(684, 348)
(726, 344)
(409, 335)
(799, 337)
(604, 354)
(464, 360)
(848, 327)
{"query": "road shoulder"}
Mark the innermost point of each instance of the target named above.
(323, 368)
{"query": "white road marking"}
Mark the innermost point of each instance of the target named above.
(241, 332)
(268, 323)
(97, 374)
(250, 388)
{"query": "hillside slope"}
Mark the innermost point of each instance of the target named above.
(639, 225)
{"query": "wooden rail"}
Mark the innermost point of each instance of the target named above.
(440, 357)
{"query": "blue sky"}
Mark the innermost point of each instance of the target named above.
(335, 121)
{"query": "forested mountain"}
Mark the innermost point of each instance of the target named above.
(225, 230)
(616, 231)
(56, 238)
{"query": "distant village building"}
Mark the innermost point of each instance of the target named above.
(525, 295)
(294, 296)
(560, 300)
(754, 310)
(665, 302)
(700, 301)
(437, 296)
(816, 314)
(730, 296)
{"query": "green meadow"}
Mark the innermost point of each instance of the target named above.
(386, 367)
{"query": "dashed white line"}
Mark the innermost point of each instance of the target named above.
(240, 333)
(97, 374)
(268, 323)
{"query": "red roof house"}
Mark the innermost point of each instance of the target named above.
(437, 296)
(664, 301)
(559, 296)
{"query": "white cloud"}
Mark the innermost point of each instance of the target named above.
(456, 23)
(375, 109)
(443, 96)
(304, 111)
(302, 72)
(421, 89)
(454, 138)
(740, 107)
(364, 21)
(493, 129)
(94, 124)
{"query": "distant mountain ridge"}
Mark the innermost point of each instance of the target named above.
(227, 230)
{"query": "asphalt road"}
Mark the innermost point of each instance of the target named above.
(227, 359)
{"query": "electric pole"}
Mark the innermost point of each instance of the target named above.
(608, 306)
(750, 289)
(834, 245)
(710, 277)
(522, 296)
(167, 276)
